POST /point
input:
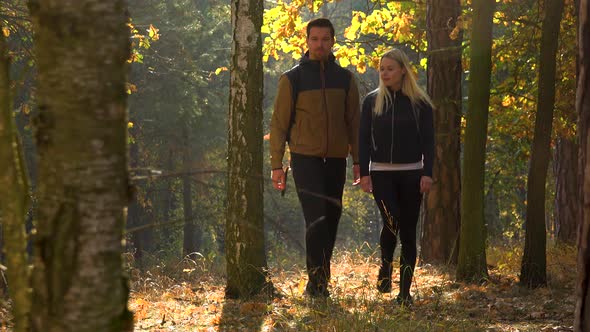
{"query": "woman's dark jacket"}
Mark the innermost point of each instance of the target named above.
(406, 137)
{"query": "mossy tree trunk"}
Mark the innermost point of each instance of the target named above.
(471, 265)
(244, 235)
(14, 193)
(82, 49)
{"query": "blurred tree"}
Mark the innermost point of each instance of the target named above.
(582, 314)
(14, 199)
(83, 187)
(566, 145)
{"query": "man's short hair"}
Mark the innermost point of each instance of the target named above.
(320, 23)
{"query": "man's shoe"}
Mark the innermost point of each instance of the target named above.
(316, 291)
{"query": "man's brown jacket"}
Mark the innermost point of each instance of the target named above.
(327, 111)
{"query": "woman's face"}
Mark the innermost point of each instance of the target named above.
(391, 73)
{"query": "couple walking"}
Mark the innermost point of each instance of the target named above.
(391, 141)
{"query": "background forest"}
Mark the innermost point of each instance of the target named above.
(178, 98)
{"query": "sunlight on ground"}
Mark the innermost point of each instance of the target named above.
(441, 304)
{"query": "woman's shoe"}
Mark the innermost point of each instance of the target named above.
(404, 301)
(384, 280)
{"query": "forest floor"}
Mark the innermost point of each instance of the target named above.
(197, 303)
(189, 296)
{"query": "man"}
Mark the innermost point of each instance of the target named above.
(317, 112)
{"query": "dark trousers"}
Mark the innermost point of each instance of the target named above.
(398, 197)
(319, 182)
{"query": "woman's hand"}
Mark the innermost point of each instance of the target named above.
(366, 184)
(425, 184)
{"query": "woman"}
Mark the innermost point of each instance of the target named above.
(396, 148)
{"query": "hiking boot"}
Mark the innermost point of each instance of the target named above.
(384, 280)
(404, 301)
(316, 291)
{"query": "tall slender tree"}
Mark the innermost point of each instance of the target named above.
(582, 313)
(472, 255)
(83, 188)
(14, 199)
(244, 235)
(442, 220)
(534, 262)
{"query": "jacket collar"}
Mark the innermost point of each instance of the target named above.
(306, 60)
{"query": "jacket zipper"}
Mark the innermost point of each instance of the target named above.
(392, 124)
(325, 105)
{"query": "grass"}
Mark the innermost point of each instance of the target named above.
(189, 297)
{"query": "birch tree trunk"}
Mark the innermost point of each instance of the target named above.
(83, 188)
(14, 193)
(244, 235)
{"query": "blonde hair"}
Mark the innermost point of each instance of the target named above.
(410, 86)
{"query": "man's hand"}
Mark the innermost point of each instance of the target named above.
(356, 171)
(278, 179)
(366, 184)
(425, 184)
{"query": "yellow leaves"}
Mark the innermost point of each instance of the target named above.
(153, 32)
(129, 125)
(507, 100)
(423, 62)
(351, 32)
(130, 88)
(253, 308)
(220, 69)
(5, 31)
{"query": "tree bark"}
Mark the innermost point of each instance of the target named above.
(83, 188)
(443, 215)
(534, 262)
(244, 236)
(566, 190)
(582, 313)
(472, 254)
(14, 200)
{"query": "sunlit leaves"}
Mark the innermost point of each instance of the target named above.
(141, 41)
(369, 34)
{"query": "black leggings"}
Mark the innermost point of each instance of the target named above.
(320, 183)
(397, 194)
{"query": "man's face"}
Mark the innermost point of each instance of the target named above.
(319, 43)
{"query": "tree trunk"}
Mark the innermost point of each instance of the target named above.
(190, 243)
(534, 262)
(141, 239)
(582, 313)
(443, 215)
(78, 282)
(566, 190)
(14, 194)
(244, 236)
(472, 252)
